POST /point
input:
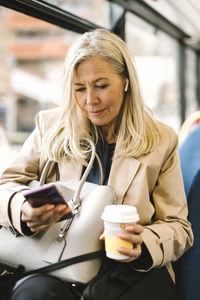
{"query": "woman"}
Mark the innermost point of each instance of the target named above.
(102, 101)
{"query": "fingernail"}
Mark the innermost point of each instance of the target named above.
(49, 207)
(61, 207)
(102, 237)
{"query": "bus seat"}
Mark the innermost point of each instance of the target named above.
(189, 152)
(187, 268)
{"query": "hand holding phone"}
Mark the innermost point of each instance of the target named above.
(50, 194)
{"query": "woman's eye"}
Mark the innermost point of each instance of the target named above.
(103, 86)
(80, 89)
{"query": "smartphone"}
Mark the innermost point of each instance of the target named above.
(49, 194)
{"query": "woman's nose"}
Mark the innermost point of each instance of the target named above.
(91, 97)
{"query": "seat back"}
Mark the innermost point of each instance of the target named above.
(187, 268)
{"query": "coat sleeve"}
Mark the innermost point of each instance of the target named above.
(170, 233)
(23, 169)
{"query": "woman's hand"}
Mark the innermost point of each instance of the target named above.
(133, 235)
(42, 217)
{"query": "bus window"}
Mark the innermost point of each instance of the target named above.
(156, 61)
(95, 11)
(31, 59)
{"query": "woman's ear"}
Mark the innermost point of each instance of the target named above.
(126, 85)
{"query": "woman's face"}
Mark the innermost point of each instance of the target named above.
(99, 92)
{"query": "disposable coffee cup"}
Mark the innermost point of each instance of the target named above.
(116, 217)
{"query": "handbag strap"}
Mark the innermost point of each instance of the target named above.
(45, 171)
(68, 262)
(76, 198)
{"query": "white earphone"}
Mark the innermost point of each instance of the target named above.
(126, 85)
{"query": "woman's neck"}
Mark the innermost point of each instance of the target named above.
(108, 136)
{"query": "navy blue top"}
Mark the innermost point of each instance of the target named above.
(105, 152)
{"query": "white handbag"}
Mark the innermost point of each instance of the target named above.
(66, 239)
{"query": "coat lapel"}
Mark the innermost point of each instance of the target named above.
(70, 170)
(122, 172)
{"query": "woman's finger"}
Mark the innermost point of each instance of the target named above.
(43, 217)
(31, 213)
(47, 218)
(132, 253)
(135, 228)
(132, 234)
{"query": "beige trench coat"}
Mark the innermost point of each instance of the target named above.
(153, 183)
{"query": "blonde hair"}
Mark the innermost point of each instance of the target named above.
(137, 133)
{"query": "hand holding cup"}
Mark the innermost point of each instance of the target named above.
(122, 233)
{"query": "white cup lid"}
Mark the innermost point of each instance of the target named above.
(120, 213)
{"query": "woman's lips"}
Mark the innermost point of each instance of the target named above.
(96, 112)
